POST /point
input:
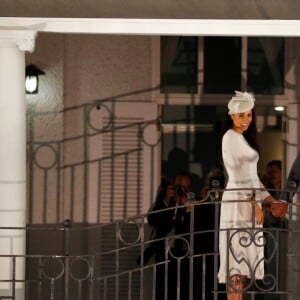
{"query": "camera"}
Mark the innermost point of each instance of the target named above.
(216, 182)
(179, 191)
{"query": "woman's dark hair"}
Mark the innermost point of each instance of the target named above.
(250, 134)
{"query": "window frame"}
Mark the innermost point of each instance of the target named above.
(200, 97)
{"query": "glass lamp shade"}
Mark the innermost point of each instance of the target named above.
(31, 84)
(32, 74)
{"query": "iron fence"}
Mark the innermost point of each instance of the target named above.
(125, 260)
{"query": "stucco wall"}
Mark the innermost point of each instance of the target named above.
(98, 67)
(79, 69)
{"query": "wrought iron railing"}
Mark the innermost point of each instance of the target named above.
(125, 260)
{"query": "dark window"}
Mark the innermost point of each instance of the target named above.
(179, 64)
(265, 57)
(222, 65)
(190, 140)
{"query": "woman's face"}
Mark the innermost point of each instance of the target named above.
(241, 121)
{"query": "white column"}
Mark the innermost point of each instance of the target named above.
(13, 43)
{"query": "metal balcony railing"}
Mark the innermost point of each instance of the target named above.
(125, 259)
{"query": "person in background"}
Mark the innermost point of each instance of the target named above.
(292, 183)
(274, 186)
(276, 226)
(183, 241)
(168, 217)
(241, 220)
(272, 229)
(214, 180)
(210, 196)
(273, 177)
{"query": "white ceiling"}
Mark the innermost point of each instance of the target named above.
(153, 9)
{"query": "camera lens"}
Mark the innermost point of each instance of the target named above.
(179, 191)
(216, 183)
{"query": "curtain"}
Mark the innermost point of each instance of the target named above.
(168, 51)
(272, 48)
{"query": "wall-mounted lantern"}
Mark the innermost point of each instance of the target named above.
(32, 74)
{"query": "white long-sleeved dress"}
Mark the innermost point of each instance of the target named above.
(241, 243)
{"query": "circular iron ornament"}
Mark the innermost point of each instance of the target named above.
(45, 151)
(83, 260)
(100, 108)
(274, 242)
(147, 128)
(123, 240)
(172, 251)
(269, 283)
(43, 267)
(250, 237)
(261, 240)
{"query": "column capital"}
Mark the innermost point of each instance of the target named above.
(22, 39)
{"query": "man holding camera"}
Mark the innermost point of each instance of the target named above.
(170, 216)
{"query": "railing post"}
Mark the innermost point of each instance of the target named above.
(67, 225)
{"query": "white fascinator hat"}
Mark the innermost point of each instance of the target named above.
(241, 102)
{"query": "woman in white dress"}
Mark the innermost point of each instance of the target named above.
(241, 242)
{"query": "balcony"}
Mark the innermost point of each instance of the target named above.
(125, 260)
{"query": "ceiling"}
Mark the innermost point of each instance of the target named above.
(154, 9)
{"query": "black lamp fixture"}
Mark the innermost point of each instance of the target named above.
(32, 74)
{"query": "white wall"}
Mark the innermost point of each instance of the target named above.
(102, 66)
(79, 69)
